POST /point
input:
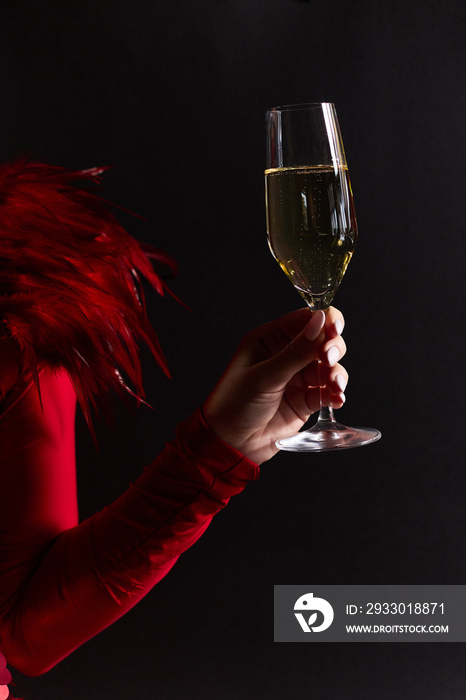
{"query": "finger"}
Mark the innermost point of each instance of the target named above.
(301, 402)
(286, 327)
(333, 394)
(290, 324)
(303, 395)
(310, 375)
(270, 338)
(337, 380)
(297, 354)
(336, 377)
(314, 398)
(334, 322)
(331, 399)
(332, 351)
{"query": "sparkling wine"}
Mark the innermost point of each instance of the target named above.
(311, 227)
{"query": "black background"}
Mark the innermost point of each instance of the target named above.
(173, 94)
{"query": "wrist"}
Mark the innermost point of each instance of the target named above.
(252, 446)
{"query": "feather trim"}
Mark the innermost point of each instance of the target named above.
(71, 281)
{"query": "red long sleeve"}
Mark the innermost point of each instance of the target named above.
(62, 582)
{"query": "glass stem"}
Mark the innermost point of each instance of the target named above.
(325, 412)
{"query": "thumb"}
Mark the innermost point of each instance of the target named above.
(297, 354)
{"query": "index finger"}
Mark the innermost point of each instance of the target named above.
(270, 338)
(334, 322)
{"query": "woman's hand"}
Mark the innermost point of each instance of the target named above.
(271, 386)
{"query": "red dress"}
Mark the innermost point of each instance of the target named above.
(62, 582)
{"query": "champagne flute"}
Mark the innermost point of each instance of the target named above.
(312, 231)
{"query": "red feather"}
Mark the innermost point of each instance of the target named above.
(70, 285)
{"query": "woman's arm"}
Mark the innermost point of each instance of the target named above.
(63, 582)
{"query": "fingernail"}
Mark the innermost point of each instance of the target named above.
(315, 325)
(333, 355)
(341, 399)
(339, 326)
(341, 382)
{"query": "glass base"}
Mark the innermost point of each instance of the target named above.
(328, 435)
